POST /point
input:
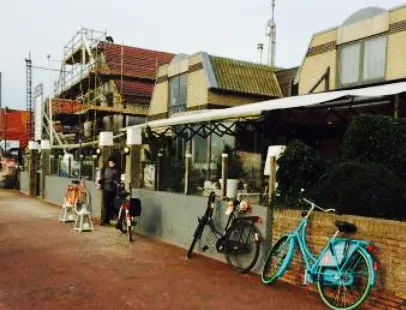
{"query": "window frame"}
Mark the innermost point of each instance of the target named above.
(181, 106)
(361, 80)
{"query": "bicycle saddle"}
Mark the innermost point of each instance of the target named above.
(346, 227)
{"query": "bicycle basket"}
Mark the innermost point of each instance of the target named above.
(135, 207)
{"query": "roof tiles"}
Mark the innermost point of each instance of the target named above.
(134, 61)
(245, 77)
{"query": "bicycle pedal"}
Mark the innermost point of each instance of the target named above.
(205, 248)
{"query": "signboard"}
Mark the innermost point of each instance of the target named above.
(39, 110)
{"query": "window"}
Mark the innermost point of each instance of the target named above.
(177, 93)
(200, 148)
(363, 61)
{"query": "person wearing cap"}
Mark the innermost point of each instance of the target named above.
(110, 177)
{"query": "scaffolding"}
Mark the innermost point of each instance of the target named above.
(91, 93)
(79, 59)
(29, 106)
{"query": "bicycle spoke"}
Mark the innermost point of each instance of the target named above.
(242, 249)
(353, 286)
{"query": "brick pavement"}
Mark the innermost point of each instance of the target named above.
(45, 265)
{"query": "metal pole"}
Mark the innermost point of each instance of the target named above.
(80, 156)
(51, 136)
(188, 161)
(158, 172)
(272, 179)
(224, 177)
(5, 129)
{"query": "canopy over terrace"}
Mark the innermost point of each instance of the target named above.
(214, 120)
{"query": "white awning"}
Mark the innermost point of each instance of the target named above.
(255, 109)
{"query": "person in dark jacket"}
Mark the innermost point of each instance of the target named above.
(110, 177)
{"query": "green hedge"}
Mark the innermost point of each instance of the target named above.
(377, 139)
(362, 189)
(299, 167)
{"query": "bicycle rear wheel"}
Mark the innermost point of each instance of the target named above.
(241, 247)
(275, 260)
(352, 286)
(84, 197)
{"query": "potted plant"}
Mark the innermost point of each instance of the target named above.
(235, 171)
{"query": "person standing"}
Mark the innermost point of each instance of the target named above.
(110, 177)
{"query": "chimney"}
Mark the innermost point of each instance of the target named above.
(260, 52)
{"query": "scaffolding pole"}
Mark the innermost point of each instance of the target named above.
(28, 63)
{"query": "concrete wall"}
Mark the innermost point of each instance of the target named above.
(55, 189)
(24, 180)
(313, 69)
(363, 29)
(388, 236)
(197, 94)
(173, 217)
(396, 56)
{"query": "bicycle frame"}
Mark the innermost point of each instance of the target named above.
(336, 255)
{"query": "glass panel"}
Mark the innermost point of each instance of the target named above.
(183, 89)
(199, 150)
(375, 58)
(350, 63)
(173, 91)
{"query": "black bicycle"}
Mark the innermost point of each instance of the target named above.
(240, 242)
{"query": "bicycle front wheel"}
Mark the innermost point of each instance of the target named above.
(275, 260)
(348, 288)
(130, 233)
(241, 247)
(196, 237)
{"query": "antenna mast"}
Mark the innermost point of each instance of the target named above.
(271, 33)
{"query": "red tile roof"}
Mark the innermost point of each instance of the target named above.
(136, 62)
(135, 88)
(16, 128)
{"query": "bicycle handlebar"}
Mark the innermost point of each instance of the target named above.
(319, 208)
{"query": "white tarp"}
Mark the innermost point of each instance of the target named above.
(255, 109)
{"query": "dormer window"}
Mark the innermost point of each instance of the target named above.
(362, 61)
(177, 93)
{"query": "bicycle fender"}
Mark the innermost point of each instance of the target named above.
(371, 262)
(341, 253)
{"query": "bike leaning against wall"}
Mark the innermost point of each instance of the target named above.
(240, 241)
(128, 210)
(344, 270)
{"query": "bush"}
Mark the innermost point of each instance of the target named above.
(378, 139)
(299, 167)
(362, 189)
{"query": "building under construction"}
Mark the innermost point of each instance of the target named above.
(102, 87)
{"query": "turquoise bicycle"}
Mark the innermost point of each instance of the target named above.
(344, 270)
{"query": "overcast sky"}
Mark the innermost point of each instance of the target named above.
(230, 28)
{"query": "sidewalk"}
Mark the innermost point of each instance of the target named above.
(46, 265)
